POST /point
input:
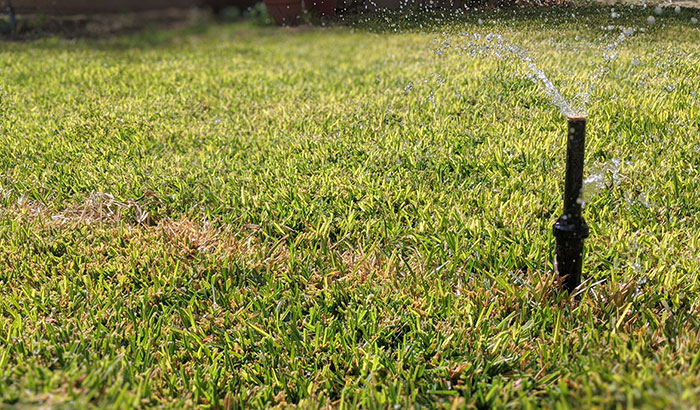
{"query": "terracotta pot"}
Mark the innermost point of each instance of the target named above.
(321, 8)
(284, 12)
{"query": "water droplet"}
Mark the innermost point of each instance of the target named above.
(596, 181)
(651, 20)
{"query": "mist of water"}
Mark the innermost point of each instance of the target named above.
(550, 89)
(496, 46)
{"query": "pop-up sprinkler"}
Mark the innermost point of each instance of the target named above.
(570, 229)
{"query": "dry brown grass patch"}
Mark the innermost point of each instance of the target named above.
(98, 207)
(101, 207)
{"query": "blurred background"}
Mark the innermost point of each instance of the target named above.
(95, 17)
(66, 7)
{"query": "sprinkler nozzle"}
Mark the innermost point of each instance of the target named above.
(571, 229)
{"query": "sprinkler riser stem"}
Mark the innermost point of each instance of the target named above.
(571, 229)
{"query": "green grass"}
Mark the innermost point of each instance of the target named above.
(247, 216)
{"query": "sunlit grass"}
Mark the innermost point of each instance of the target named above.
(248, 216)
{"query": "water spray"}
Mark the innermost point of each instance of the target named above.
(571, 229)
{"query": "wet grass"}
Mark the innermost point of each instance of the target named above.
(247, 216)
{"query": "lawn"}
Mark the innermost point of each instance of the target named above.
(238, 215)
